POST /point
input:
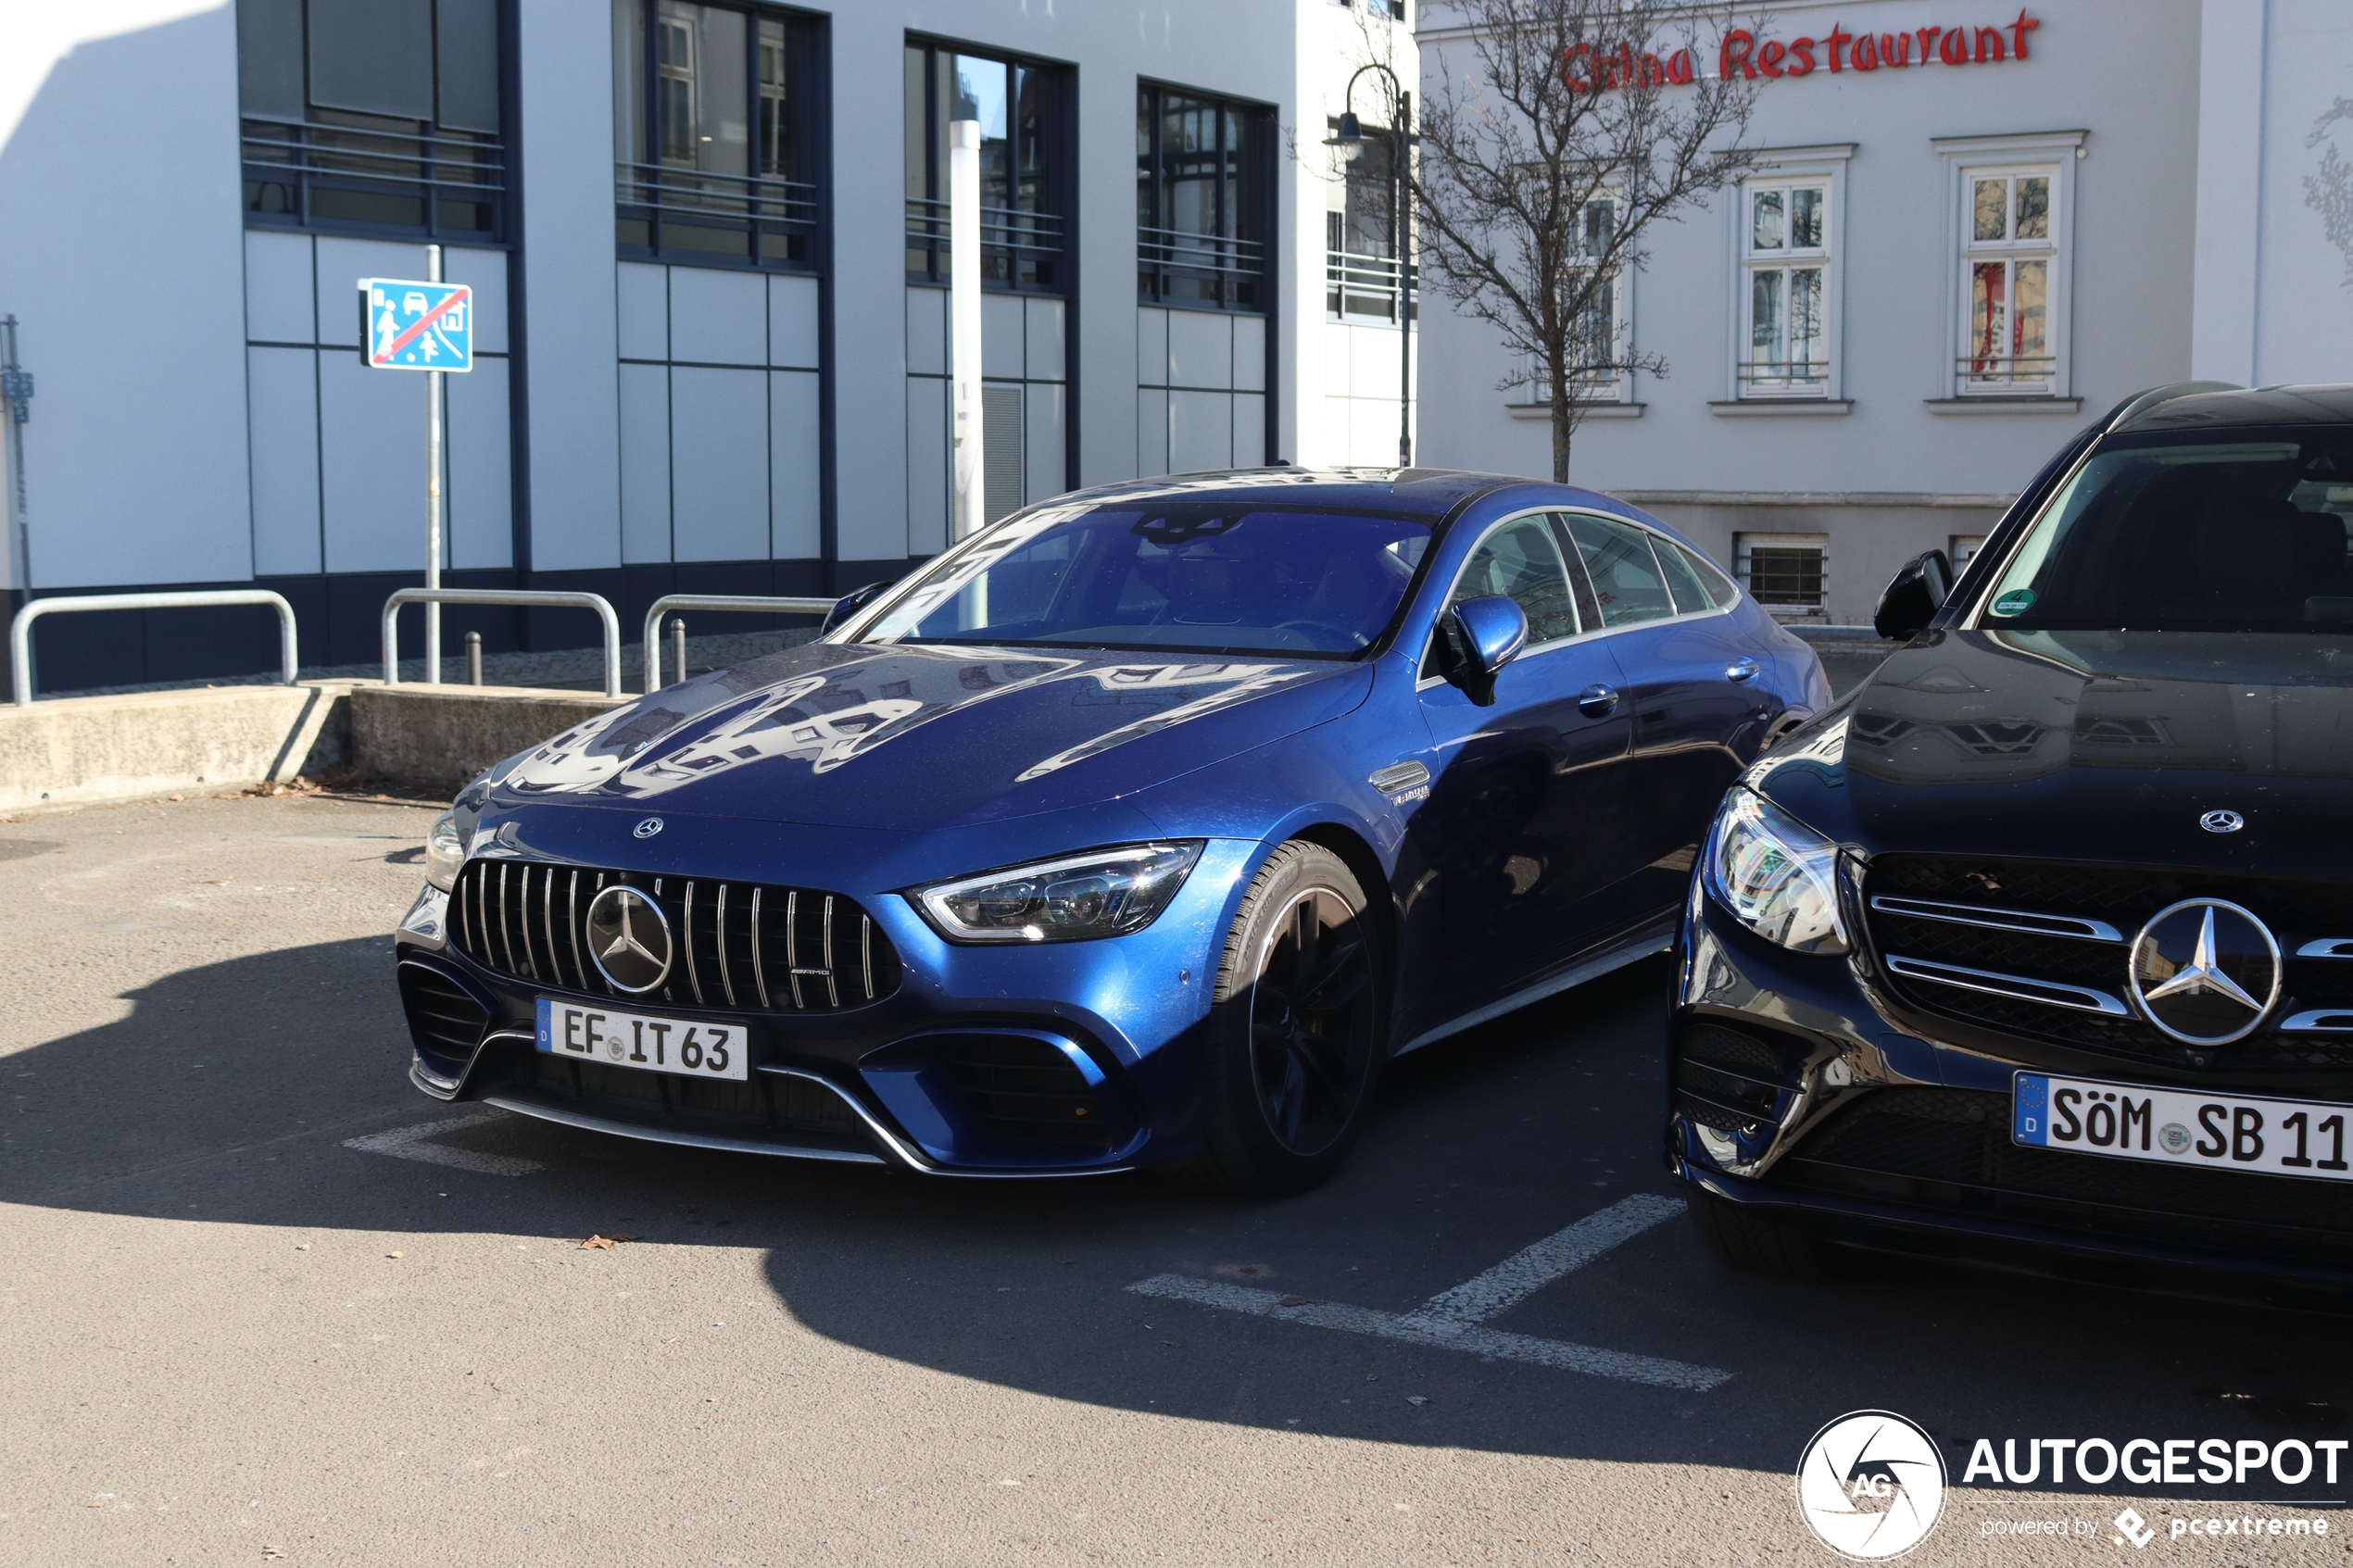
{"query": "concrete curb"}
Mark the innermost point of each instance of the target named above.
(443, 735)
(84, 751)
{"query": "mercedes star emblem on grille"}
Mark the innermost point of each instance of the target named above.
(648, 828)
(629, 939)
(2205, 972)
(2222, 822)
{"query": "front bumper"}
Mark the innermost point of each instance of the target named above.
(1798, 1087)
(1063, 1059)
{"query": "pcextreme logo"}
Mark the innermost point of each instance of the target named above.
(1870, 1485)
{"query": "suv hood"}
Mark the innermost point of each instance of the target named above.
(2108, 746)
(921, 737)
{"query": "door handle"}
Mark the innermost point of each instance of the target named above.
(1598, 701)
(1741, 670)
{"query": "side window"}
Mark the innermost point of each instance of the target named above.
(1693, 585)
(1521, 562)
(1626, 576)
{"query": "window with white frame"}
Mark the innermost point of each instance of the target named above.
(1601, 330)
(1963, 548)
(1788, 574)
(1785, 248)
(2009, 265)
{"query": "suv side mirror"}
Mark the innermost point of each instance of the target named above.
(851, 604)
(1482, 635)
(1914, 596)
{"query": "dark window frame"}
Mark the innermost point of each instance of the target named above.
(686, 217)
(339, 171)
(1022, 250)
(1232, 269)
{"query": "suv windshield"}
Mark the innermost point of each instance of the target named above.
(2242, 531)
(1195, 576)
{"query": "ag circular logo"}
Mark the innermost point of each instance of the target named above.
(2222, 822)
(1870, 1485)
(2205, 972)
(647, 829)
(629, 939)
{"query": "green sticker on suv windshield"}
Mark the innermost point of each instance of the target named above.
(2016, 602)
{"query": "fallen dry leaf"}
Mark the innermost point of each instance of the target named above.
(602, 1244)
(392, 1254)
(1418, 1399)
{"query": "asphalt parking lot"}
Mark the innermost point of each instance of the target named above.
(259, 1300)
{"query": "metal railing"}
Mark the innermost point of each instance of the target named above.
(1807, 376)
(1216, 267)
(20, 629)
(741, 604)
(528, 598)
(2003, 373)
(769, 219)
(1356, 285)
(302, 170)
(1016, 247)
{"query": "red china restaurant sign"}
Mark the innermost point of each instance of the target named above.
(1588, 69)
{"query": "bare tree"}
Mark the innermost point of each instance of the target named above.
(1553, 135)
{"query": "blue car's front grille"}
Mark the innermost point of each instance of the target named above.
(744, 946)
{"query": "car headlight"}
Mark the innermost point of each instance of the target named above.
(446, 846)
(1075, 898)
(1776, 875)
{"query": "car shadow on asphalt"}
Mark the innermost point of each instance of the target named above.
(227, 1091)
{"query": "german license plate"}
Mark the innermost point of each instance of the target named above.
(2281, 1137)
(641, 1040)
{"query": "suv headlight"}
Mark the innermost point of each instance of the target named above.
(1776, 875)
(446, 846)
(1075, 898)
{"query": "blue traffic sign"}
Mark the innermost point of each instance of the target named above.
(415, 326)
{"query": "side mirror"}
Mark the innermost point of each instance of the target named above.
(1486, 634)
(851, 604)
(1914, 596)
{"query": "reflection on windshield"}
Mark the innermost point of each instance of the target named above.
(1188, 574)
(2170, 533)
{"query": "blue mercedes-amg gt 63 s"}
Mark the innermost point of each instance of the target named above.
(1138, 829)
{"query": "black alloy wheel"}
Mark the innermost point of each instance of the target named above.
(1296, 1028)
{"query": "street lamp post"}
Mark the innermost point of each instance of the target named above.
(1351, 141)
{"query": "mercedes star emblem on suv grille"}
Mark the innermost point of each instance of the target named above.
(2222, 822)
(629, 939)
(648, 828)
(2205, 972)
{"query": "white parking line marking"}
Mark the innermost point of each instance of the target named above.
(407, 1143)
(1524, 1274)
(1455, 1320)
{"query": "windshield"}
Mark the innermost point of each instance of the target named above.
(2192, 533)
(1192, 575)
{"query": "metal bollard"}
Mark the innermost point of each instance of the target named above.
(678, 648)
(473, 658)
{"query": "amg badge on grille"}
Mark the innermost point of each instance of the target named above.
(2205, 972)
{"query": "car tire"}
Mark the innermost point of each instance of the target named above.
(1755, 1244)
(1297, 1029)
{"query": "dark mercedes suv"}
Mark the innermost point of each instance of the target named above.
(2037, 949)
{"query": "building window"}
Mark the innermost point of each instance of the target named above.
(1785, 244)
(374, 116)
(1604, 331)
(2008, 256)
(1025, 109)
(1963, 548)
(1788, 574)
(1361, 272)
(1202, 176)
(714, 120)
